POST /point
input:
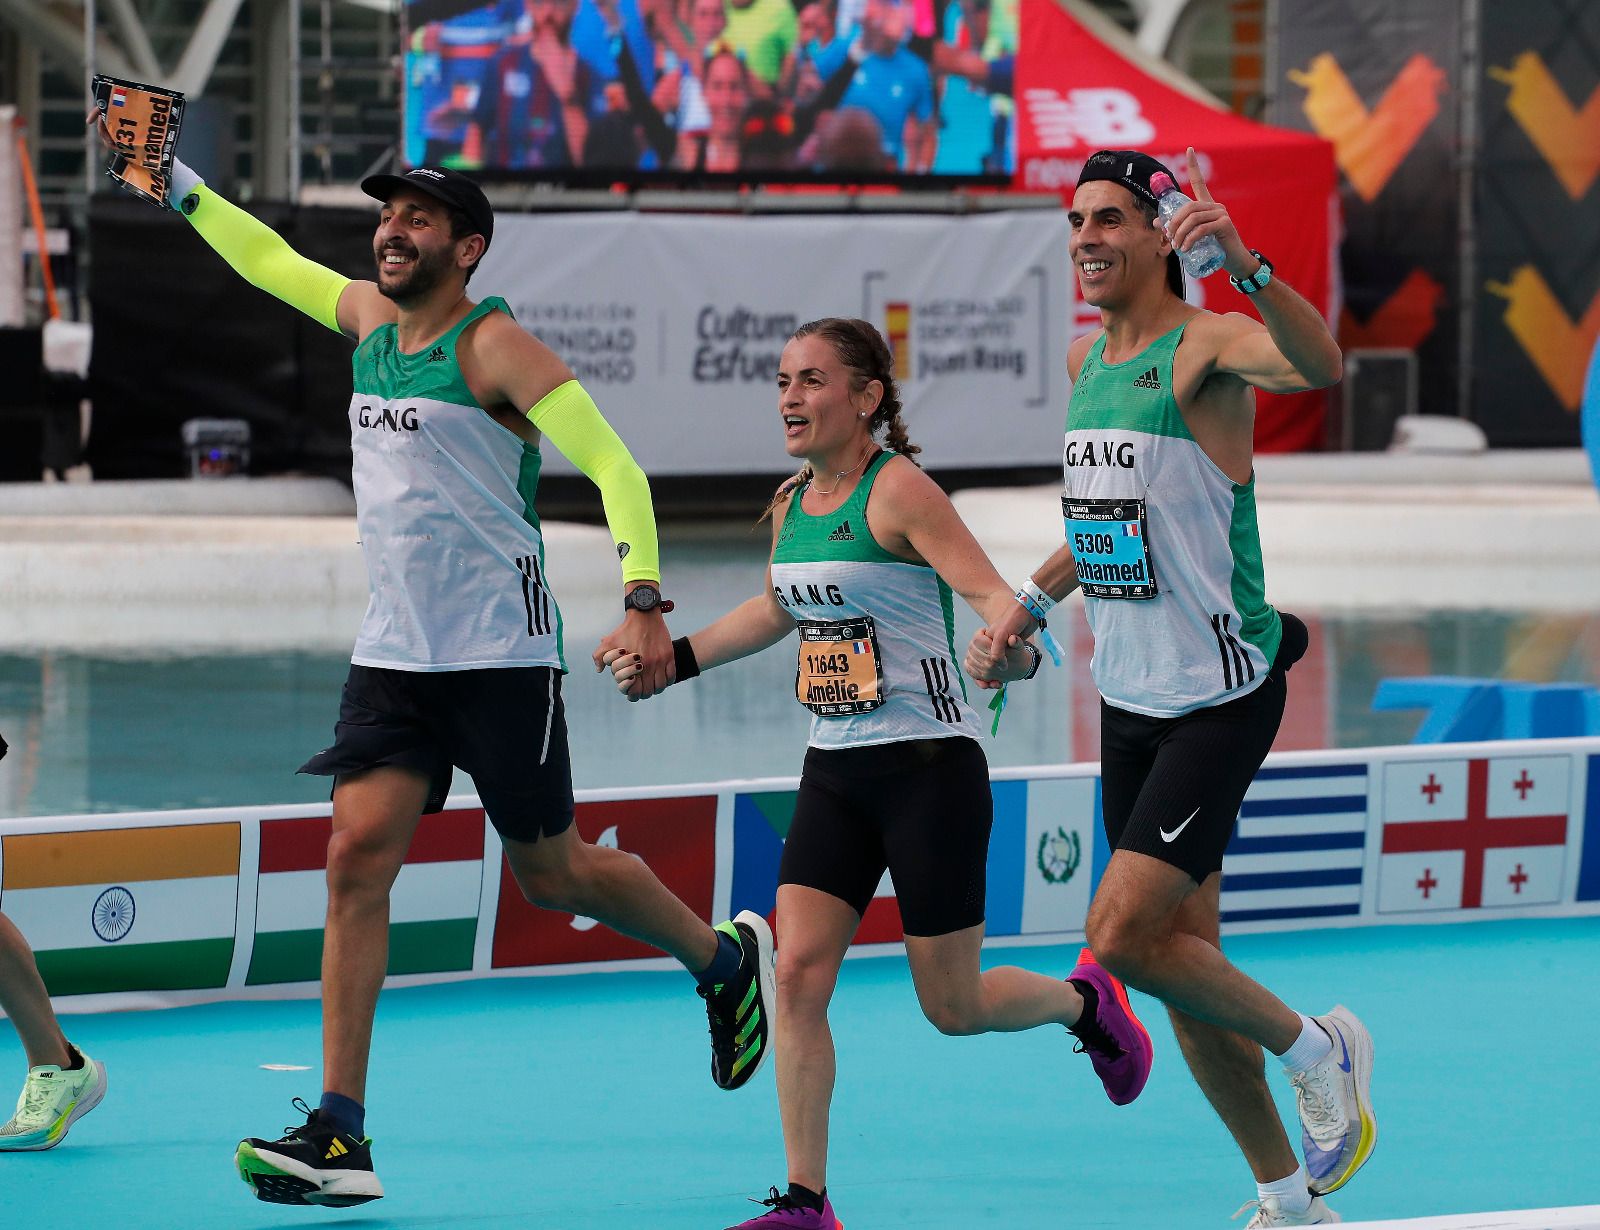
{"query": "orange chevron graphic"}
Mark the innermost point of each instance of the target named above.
(1567, 136)
(1370, 145)
(1403, 320)
(1558, 346)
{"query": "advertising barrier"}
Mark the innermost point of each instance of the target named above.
(684, 362)
(166, 908)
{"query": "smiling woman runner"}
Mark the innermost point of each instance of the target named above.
(866, 551)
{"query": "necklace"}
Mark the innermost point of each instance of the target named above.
(842, 474)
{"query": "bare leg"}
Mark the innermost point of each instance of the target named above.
(1228, 1066)
(814, 929)
(375, 813)
(1133, 931)
(27, 1003)
(959, 998)
(614, 887)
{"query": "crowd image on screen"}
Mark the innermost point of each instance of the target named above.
(825, 88)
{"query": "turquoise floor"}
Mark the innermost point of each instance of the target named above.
(576, 1103)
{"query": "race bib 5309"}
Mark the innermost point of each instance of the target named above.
(1110, 547)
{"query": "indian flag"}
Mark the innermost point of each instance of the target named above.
(135, 909)
(433, 908)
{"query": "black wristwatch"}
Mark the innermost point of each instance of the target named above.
(646, 598)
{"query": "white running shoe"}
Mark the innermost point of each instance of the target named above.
(1268, 1213)
(1338, 1128)
(52, 1101)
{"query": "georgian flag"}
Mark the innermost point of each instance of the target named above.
(1464, 834)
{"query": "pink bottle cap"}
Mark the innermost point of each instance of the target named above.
(1161, 184)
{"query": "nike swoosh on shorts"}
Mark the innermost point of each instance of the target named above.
(1173, 836)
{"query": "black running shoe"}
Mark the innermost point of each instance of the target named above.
(312, 1163)
(741, 1008)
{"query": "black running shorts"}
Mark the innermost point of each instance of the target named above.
(506, 728)
(920, 808)
(1171, 787)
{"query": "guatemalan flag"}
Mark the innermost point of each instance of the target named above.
(1300, 844)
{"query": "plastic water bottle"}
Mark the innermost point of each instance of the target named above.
(1204, 255)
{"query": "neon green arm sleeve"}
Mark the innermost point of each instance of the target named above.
(260, 256)
(570, 420)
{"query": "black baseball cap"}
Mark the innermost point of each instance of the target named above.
(441, 183)
(1134, 171)
(1128, 167)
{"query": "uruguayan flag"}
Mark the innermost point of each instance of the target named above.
(1299, 847)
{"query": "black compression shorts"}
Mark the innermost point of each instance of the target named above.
(919, 807)
(1171, 787)
(506, 727)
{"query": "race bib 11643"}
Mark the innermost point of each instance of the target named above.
(839, 672)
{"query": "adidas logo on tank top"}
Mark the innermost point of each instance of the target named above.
(842, 533)
(1150, 380)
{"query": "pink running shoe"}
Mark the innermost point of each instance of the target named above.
(1116, 1043)
(784, 1214)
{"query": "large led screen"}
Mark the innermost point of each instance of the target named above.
(756, 90)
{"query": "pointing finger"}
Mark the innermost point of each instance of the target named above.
(1196, 180)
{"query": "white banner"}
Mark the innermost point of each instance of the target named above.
(675, 325)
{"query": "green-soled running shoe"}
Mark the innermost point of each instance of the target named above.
(312, 1163)
(740, 1009)
(52, 1100)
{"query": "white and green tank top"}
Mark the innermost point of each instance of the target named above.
(444, 504)
(1165, 544)
(877, 659)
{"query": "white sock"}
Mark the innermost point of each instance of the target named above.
(1309, 1049)
(1293, 1194)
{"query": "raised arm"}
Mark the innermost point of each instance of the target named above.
(1290, 350)
(263, 258)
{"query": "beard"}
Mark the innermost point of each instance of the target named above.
(425, 273)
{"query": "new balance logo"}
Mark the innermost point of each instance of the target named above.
(336, 1149)
(1150, 380)
(842, 534)
(437, 355)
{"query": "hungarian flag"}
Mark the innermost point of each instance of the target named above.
(433, 908)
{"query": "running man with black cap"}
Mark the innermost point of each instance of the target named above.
(459, 659)
(1189, 657)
